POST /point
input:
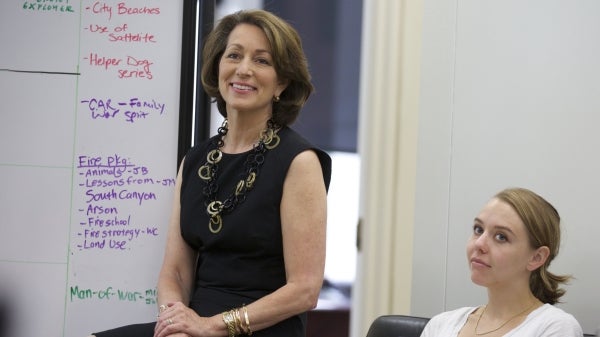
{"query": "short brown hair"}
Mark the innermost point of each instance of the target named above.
(289, 61)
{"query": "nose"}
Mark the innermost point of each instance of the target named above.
(481, 242)
(244, 68)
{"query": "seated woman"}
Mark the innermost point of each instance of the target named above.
(515, 237)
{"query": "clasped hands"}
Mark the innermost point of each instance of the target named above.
(178, 320)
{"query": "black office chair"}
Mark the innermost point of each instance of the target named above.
(397, 326)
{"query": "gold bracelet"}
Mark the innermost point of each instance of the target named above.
(239, 328)
(228, 319)
(247, 330)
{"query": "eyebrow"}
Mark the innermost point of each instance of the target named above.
(504, 228)
(239, 46)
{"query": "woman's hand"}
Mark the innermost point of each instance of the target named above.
(178, 320)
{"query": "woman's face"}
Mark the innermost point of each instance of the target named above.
(498, 250)
(247, 77)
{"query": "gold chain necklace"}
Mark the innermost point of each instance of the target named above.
(501, 325)
(208, 172)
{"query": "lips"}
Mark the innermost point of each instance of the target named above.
(475, 262)
(240, 86)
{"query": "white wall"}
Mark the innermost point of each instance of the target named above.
(509, 97)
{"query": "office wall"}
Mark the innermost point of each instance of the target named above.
(509, 97)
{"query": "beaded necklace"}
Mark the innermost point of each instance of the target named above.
(208, 172)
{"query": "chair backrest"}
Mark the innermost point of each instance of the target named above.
(397, 326)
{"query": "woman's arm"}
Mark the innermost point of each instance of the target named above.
(303, 221)
(175, 283)
(177, 272)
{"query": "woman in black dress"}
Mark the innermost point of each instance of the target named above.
(245, 250)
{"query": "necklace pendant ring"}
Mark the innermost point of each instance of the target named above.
(214, 208)
(214, 156)
(215, 221)
(240, 187)
(273, 142)
(204, 172)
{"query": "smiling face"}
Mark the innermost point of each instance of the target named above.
(499, 250)
(247, 77)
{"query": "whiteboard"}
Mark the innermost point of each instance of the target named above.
(509, 98)
(88, 134)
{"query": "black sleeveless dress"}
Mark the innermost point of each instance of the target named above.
(244, 261)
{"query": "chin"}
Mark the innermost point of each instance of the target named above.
(478, 280)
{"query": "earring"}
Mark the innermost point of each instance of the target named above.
(275, 99)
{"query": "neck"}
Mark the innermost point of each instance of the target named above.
(504, 303)
(243, 134)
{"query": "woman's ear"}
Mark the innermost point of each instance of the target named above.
(538, 258)
(281, 85)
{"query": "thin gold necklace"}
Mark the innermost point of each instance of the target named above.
(501, 325)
